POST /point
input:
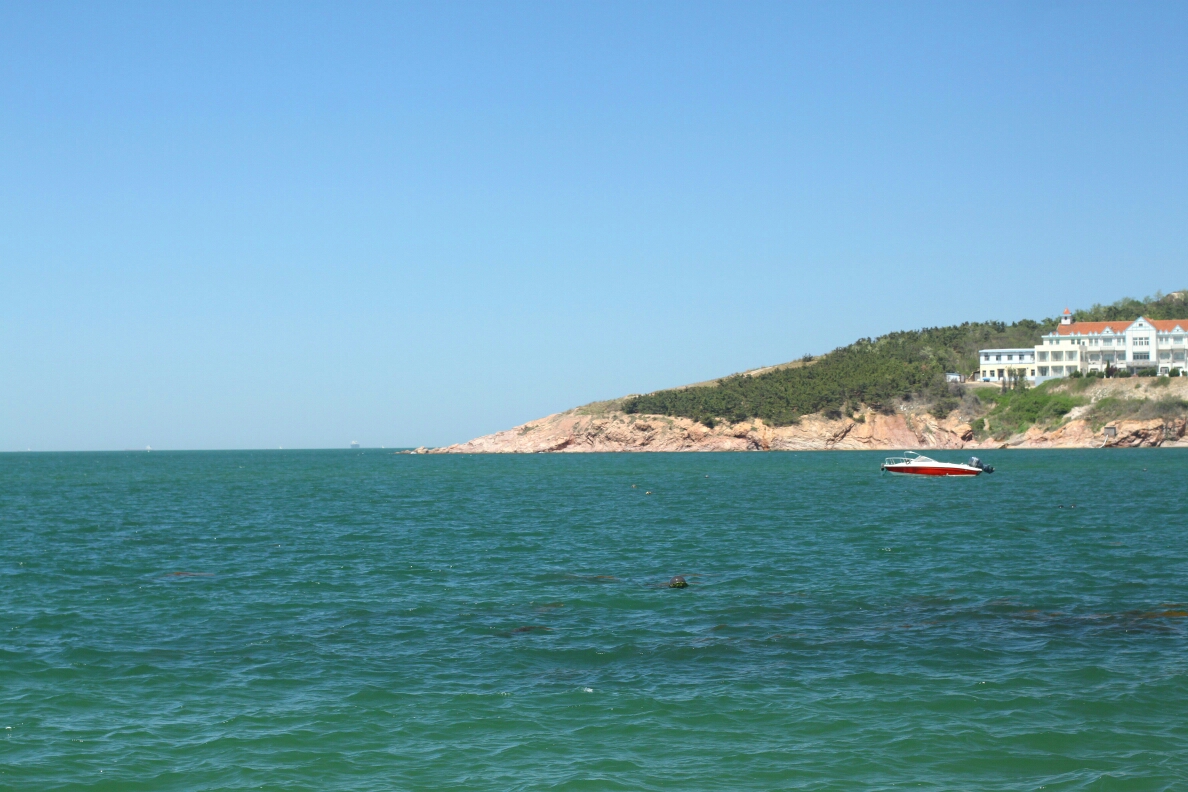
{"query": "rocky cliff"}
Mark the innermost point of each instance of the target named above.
(604, 428)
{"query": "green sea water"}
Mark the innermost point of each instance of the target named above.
(368, 621)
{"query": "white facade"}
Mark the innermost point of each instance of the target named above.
(996, 364)
(1094, 346)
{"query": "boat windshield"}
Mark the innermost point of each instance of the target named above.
(908, 458)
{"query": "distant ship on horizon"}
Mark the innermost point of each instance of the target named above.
(354, 444)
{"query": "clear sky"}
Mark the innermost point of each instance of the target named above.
(251, 225)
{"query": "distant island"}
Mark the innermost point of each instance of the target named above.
(909, 389)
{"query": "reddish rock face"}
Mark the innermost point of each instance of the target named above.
(570, 432)
(609, 430)
(1145, 434)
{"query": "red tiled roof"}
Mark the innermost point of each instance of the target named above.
(1168, 325)
(1085, 328)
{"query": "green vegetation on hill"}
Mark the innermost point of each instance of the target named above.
(874, 372)
(1016, 410)
(1113, 409)
(898, 366)
(1160, 306)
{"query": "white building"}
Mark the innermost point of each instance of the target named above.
(996, 364)
(1093, 346)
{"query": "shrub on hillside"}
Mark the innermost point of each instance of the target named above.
(1114, 409)
(878, 373)
(944, 406)
(1017, 410)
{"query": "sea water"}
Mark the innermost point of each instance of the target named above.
(363, 620)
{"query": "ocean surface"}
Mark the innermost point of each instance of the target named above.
(360, 620)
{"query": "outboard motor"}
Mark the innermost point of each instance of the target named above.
(975, 462)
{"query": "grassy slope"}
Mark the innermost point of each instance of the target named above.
(1046, 406)
(1016, 410)
(904, 365)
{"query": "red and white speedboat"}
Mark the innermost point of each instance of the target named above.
(912, 464)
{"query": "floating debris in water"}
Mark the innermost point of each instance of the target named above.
(678, 582)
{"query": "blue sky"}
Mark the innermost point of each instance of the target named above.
(251, 225)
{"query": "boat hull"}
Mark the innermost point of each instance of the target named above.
(931, 470)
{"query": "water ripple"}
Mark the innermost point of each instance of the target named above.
(369, 621)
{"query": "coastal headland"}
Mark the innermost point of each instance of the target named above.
(605, 427)
(909, 390)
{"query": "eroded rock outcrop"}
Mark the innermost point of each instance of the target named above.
(572, 432)
(909, 427)
(1145, 434)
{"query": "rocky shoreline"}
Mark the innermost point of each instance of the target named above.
(592, 430)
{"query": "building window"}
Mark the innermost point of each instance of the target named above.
(1142, 341)
(998, 357)
(1072, 355)
(1057, 356)
(1043, 355)
(1033, 372)
(1043, 371)
(1141, 356)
